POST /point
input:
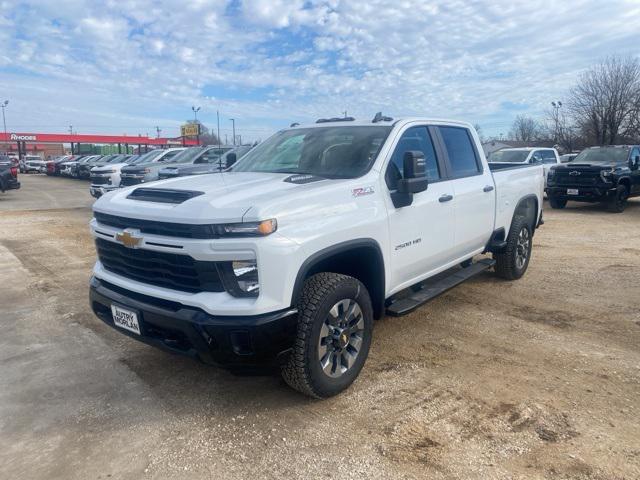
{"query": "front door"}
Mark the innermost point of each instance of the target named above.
(421, 234)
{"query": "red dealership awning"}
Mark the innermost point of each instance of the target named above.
(104, 139)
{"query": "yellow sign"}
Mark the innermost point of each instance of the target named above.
(190, 130)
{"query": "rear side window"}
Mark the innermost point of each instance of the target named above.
(462, 156)
(548, 156)
(415, 138)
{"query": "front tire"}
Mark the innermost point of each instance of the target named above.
(618, 202)
(557, 203)
(335, 325)
(513, 262)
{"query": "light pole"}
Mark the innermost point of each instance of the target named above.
(195, 118)
(556, 114)
(233, 121)
(4, 121)
(218, 119)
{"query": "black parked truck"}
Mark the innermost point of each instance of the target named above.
(8, 174)
(607, 174)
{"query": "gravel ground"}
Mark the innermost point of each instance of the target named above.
(537, 378)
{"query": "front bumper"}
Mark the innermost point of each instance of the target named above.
(97, 191)
(597, 193)
(243, 344)
(12, 184)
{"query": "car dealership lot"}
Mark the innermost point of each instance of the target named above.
(534, 378)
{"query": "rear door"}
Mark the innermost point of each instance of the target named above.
(421, 234)
(474, 194)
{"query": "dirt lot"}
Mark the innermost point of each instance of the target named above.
(539, 378)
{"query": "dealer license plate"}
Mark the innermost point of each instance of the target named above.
(126, 319)
(573, 191)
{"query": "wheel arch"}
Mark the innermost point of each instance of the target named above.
(528, 207)
(626, 181)
(361, 259)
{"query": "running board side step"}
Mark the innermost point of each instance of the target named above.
(431, 289)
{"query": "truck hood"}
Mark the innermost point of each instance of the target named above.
(227, 197)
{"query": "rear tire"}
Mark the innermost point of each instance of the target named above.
(335, 324)
(557, 203)
(513, 262)
(618, 202)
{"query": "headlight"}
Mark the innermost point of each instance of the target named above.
(248, 229)
(606, 175)
(240, 278)
(551, 175)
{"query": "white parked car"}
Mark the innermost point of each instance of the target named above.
(285, 259)
(548, 157)
(107, 177)
(32, 163)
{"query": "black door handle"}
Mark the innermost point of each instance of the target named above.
(488, 188)
(445, 198)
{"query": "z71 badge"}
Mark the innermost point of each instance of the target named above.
(361, 191)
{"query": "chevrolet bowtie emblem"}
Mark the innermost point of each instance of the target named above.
(129, 237)
(574, 172)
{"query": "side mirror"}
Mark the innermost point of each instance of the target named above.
(414, 181)
(231, 159)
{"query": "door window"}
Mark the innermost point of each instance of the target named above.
(415, 138)
(548, 156)
(462, 155)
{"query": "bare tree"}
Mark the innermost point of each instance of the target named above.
(606, 101)
(561, 128)
(525, 129)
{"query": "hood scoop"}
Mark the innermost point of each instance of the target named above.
(163, 195)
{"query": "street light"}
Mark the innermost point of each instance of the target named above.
(233, 120)
(4, 122)
(195, 118)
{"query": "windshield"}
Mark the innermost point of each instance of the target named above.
(333, 152)
(118, 158)
(602, 155)
(509, 156)
(187, 156)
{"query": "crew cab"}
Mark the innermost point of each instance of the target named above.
(547, 157)
(606, 174)
(284, 260)
(214, 164)
(144, 172)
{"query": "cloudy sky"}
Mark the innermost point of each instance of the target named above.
(126, 66)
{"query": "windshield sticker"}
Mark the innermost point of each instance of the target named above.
(361, 191)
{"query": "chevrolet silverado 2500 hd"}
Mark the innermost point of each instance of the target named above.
(285, 259)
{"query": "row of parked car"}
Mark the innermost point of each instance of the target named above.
(109, 172)
(607, 174)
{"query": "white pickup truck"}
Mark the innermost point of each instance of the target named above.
(547, 157)
(284, 260)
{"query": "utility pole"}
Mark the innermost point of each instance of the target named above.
(70, 129)
(556, 114)
(195, 118)
(4, 121)
(345, 114)
(233, 121)
(226, 142)
(218, 117)
(158, 130)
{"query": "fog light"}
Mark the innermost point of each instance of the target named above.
(240, 278)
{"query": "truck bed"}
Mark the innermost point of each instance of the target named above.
(514, 181)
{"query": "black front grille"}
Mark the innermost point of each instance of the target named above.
(182, 230)
(168, 270)
(583, 179)
(101, 180)
(129, 181)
